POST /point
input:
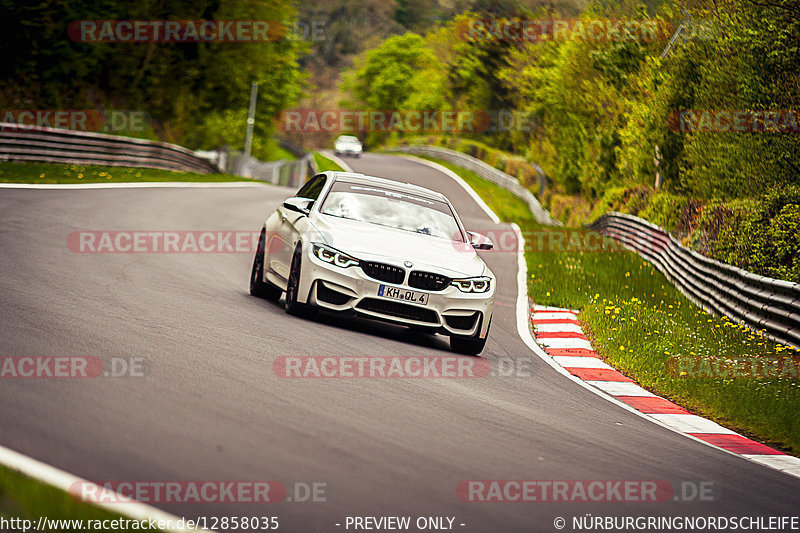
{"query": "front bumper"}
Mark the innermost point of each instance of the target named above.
(354, 153)
(448, 311)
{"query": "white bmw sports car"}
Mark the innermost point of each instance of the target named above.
(382, 249)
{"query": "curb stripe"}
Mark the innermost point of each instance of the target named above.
(621, 388)
(737, 444)
(566, 343)
(557, 328)
(599, 374)
(563, 340)
(652, 405)
(571, 361)
(542, 315)
(556, 321)
(560, 335)
(574, 352)
(689, 423)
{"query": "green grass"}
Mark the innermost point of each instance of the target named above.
(26, 498)
(323, 163)
(638, 321)
(274, 151)
(12, 172)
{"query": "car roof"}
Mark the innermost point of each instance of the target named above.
(353, 177)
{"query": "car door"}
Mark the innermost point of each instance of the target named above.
(289, 225)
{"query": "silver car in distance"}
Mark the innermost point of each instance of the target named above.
(383, 249)
(348, 145)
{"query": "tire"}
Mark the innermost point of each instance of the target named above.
(468, 345)
(292, 306)
(258, 287)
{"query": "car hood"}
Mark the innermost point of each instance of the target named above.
(378, 243)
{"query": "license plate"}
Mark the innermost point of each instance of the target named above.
(412, 297)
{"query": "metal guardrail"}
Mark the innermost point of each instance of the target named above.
(52, 145)
(488, 173)
(759, 302)
(290, 173)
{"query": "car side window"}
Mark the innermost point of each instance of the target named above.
(312, 188)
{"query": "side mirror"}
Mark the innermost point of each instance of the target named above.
(479, 241)
(299, 205)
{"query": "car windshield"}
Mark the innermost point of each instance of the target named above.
(386, 207)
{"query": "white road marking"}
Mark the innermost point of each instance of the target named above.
(552, 308)
(622, 388)
(558, 328)
(62, 480)
(785, 463)
(553, 316)
(692, 423)
(581, 362)
(138, 185)
(565, 343)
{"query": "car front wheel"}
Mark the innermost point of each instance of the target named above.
(293, 307)
(258, 287)
(468, 345)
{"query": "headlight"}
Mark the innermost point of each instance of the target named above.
(333, 256)
(481, 284)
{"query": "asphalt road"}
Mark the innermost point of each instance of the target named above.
(210, 408)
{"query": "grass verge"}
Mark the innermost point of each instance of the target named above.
(507, 206)
(12, 172)
(323, 163)
(25, 498)
(639, 323)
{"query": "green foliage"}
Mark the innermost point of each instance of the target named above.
(764, 237)
(664, 209)
(601, 111)
(196, 93)
(760, 234)
(383, 78)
